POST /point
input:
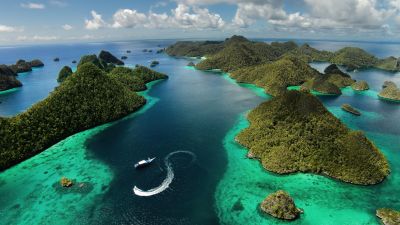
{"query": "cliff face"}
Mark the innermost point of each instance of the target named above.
(294, 132)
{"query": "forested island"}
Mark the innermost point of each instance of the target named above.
(95, 94)
(274, 66)
(238, 52)
(294, 132)
(8, 74)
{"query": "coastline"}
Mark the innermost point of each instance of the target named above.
(68, 157)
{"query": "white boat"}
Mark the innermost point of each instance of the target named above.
(145, 162)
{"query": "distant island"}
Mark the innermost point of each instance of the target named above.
(95, 94)
(274, 66)
(8, 74)
(253, 53)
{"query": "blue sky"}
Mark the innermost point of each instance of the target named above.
(49, 21)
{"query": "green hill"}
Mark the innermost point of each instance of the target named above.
(275, 77)
(194, 48)
(354, 58)
(239, 52)
(85, 99)
(294, 132)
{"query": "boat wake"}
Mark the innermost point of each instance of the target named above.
(167, 181)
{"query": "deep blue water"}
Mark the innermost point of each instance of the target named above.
(194, 113)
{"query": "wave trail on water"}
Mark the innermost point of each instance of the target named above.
(167, 181)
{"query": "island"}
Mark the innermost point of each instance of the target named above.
(388, 216)
(22, 66)
(390, 92)
(89, 97)
(8, 78)
(65, 72)
(274, 66)
(110, 58)
(124, 57)
(360, 85)
(247, 53)
(56, 59)
(154, 63)
(280, 205)
(294, 132)
(350, 109)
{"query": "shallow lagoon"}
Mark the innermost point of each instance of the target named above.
(193, 111)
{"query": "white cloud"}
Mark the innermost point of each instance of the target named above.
(4, 28)
(37, 38)
(199, 18)
(67, 27)
(96, 22)
(182, 16)
(128, 18)
(248, 13)
(31, 5)
(364, 14)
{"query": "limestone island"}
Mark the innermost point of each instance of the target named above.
(56, 59)
(65, 72)
(294, 132)
(73, 107)
(390, 92)
(22, 66)
(110, 58)
(361, 85)
(280, 205)
(239, 52)
(350, 109)
(388, 216)
(8, 78)
(154, 63)
(274, 66)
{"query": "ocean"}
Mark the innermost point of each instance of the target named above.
(193, 111)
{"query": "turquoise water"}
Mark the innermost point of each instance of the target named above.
(324, 200)
(33, 192)
(194, 111)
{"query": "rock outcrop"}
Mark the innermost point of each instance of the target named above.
(388, 216)
(361, 85)
(390, 92)
(280, 205)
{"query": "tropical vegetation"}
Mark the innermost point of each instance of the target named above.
(294, 132)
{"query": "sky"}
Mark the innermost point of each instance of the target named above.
(54, 21)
